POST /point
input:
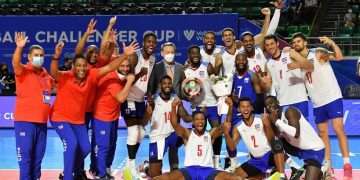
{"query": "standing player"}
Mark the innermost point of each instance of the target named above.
(287, 71)
(198, 149)
(325, 94)
(299, 138)
(32, 107)
(208, 104)
(209, 49)
(133, 109)
(162, 134)
(264, 148)
(112, 90)
(68, 111)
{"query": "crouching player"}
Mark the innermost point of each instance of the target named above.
(298, 136)
(264, 148)
(198, 149)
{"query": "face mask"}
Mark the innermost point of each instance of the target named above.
(38, 61)
(169, 57)
(121, 76)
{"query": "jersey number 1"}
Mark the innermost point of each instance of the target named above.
(254, 141)
(167, 116)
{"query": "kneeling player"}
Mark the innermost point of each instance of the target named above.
(299, 138)
(259, 139)
(198, 149)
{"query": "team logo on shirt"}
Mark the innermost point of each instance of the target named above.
(127, 110)
(22, 133)
(202, 74)
(284, 60)
(257, 127)
(246, 80)
(206, 138)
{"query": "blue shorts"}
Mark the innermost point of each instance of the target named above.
(170, 142)
(138, 113)
(309, 156)
(199, 173)
(303, 107)
(256, 166)
(329, 111)
(210, 113)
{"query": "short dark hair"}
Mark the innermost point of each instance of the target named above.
(149, 34)
(246, 33)
(192, 47)
(165, 77)
(298, 35)
(197, 112)
(270, 97)
(271, 36)
(78, 56)
(242, 99)
(210, 32)
(34, 47)
(228, 29)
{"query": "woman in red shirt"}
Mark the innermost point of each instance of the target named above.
(68, 111)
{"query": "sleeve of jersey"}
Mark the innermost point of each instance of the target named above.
(101, 61)
(114, 89)
(94, 74)
(274, 22)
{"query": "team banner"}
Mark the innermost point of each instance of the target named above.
(183, 30)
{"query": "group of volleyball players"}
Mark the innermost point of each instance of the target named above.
(267, 108)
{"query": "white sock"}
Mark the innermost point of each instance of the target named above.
(290, 162)
(346, 160)
(326, 165)
(108, 170)
(217, 161)
(131, 163)
(233, 162)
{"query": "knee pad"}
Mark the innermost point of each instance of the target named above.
(141, 133)
(276, 146)
(132, 135)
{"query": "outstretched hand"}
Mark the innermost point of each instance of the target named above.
(91, 27)
(131, 49)
(58, 49)
(20, 39)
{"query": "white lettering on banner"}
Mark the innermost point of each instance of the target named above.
(162, 35)
(7, 38)
(66, 36)
(127, 36)
(8, 116)
(40, 39)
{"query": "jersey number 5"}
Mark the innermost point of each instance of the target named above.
(199, 150)
(254, 141)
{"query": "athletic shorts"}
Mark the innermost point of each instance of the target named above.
(303, 107)
(137, 111)
(258, 166)
(199, 173)
(329, 111)
(210, 113)
(157, 147)
(315, 157)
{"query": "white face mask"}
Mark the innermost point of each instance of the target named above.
(169, 57)
(37, 61)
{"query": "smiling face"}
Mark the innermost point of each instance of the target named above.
(149, 44)
(245, 108)
(194, 55)
(80, 68)
(209, 41)
(228, 38)
(124, 67)
(271, 47)
(272, 105)
(199, 122)
(241, 63)
(249, 43)
(298, 44)
(166, 86)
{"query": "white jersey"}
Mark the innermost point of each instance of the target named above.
(160, 120)
(321, 84)
(289, 85)
(138, 90)
(228, 68)
(258, 62)
(308, 138)
(209, 58)
(199, 151)
(202, 74)
(254, 137)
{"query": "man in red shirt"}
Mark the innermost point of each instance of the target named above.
(68, 112)
(31, 109)
(112, 90)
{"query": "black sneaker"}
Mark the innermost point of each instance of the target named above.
(110, 177)
(61, 176)
(296, 173)
(81, 176)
